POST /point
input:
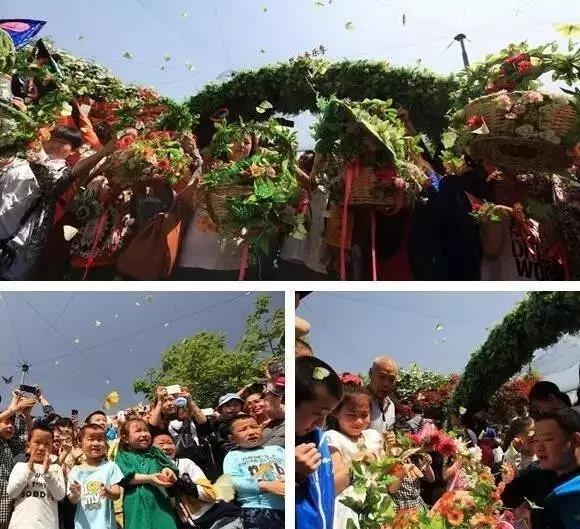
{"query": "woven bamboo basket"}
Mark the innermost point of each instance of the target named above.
(217, 200)
(560, 119)
(519, 154)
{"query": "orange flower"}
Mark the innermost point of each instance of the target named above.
(455, 517)
(405, 518)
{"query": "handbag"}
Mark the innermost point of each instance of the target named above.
(152, 253)
(7, 251)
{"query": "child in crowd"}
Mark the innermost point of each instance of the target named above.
(555, 440)
(12, 443)
(318, 392)
(94, 485)
(258, 475)
(148, 474)
(36, 486)
(350, 440)
(197, 506)
(518, 445)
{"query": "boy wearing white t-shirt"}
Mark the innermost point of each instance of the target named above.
(36, 486)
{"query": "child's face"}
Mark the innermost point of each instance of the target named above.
(93, 444)
(230, 409)
(312, 414)
(553, 446)
(527, 438)
(355, 415)
(165, 444)
(246, 432)
(7, 428)
(39, 445)
(138, 436)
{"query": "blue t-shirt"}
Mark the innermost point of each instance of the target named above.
(249, 466)
(93, 511)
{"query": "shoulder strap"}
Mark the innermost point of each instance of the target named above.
(24, 219)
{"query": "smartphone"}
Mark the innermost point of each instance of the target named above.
(121, 416)
(74, 413)
(33, 390)
(173, 390)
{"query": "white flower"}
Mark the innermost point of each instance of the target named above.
(533, 97)
(560, 100)
(550, 136)
(475, 453)
(503, 101)
(526, 131)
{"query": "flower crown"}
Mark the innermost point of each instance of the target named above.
(349, 378)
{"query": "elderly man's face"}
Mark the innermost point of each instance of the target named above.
(383, 377)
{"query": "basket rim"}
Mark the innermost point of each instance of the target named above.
(497, 94)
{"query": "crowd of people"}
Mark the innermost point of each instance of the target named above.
(339, 420)
(62, 218)
(167, 465)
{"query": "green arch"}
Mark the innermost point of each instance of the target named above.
(292, 87)
(537, 322)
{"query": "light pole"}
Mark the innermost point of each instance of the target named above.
(461, 39)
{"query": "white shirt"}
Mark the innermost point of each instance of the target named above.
(382, 415)
(202, 246)
(18, 191)
(196, 509)
(36, 496)
(175, 427)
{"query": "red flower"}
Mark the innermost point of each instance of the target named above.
(475, 207)
(160, 135)
(302, 206)
(515, 59)
(474, 122)
(525, 67)
(125, 142)
(349, 378)
(163, 165)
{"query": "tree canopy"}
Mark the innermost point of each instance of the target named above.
(204, 364)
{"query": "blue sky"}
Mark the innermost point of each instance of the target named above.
(350, 329)
(43, 327)
(221, 36)
(217, 36)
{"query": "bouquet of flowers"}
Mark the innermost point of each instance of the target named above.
(249, 199)
(371, 134)
(153, 158)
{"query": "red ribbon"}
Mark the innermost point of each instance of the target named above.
(98, 235)
(351, 173)
(374, 244)
(243, 261)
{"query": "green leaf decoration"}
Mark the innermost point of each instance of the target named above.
(349, 26)
(264, 9)
(438, 327)
(320, 373)
(167, 58)
(189, 66)
(184, 14)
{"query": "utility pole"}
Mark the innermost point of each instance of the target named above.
(461, 39)
(24, 367)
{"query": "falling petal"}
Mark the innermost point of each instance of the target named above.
(130, 349)
(56, 363)
(116, 316)
(77, 340)
(404, 19)
(81, 37)
(262, 50)
(107, 381)
(264, 9)
(462, 410)
(443, 340)
(128, 55)
(166, 325)
(439, 327)
(137, 304)
(184, 15)
(149, 298)
(112, 399)
(190, 67)
(567, 30)
(167, 58)
(349, 26)
(98, 323)
(435, 342)
(69, 232)
(265, 105)
(319, 3)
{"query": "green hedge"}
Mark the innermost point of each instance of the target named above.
(539, 321)
(293, 87)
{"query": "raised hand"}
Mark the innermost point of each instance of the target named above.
(75, 491)
(46, 462)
